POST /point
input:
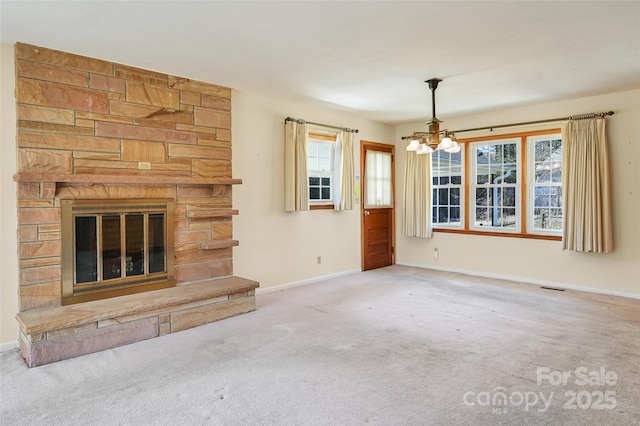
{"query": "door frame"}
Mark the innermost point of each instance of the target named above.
(363, 146)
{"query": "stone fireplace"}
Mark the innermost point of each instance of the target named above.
(113, 154)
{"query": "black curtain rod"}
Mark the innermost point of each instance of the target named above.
(300, 121)
(551, 120)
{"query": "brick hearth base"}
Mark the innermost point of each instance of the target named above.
(53, 334)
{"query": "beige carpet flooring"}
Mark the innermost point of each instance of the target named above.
(393, 346)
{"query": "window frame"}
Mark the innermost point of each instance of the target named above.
(531, 179)
(461, 186)
(329, 139)
(473, 185)
(524, 232)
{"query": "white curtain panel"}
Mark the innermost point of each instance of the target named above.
(346, 182)
(417, 196)
(296, 177)
(586, 188)
(338, 173)
(378, 180)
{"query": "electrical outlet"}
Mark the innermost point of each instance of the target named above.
(319, 260)
(436, 254)
(144, 165)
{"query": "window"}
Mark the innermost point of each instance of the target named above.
(503, 185)
(447, 186)
(545, 195)
(320, 168)
(495, 185)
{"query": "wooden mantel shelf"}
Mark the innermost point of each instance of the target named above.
(125, 180)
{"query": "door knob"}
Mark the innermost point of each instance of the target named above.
(367, 213)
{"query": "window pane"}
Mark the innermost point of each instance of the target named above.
(482, 216)
(454, 214)
(510, 154)
(482, 179)
(508, 197)
(481, 197)
(454, 196)
(111, 248)
(314, 193)
(324, 165)
(444, 180)
(312, 149)
(315, 181)
(443, 214)
(86, 255)
(134, 234)
(434, 214)
(378, 179)
(443, 196)
(312, 164)
(542, 172)
(542, 151)
(541, 196)
(495, 171)
(511, 173)
(495, 154)
(456, 180)
(324, 150)
(156, 243)
(508, 218)
(556, 172)
(326, 181)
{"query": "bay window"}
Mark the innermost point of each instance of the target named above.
(508, 185)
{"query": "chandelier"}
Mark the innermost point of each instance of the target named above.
(434, 139)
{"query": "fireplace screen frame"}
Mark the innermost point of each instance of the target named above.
(73, 292)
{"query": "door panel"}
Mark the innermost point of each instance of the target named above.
(377, 221)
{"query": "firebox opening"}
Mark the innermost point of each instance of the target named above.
(115, 247)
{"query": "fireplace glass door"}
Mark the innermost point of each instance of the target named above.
(116, 248)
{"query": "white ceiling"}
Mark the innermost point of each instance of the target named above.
(363, 56)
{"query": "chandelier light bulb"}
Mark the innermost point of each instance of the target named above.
(424, 149)
(453, 149)
(414, 145)
(446, 143)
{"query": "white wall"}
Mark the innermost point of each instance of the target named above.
(8, 210)
(278, 247)
(541, 261)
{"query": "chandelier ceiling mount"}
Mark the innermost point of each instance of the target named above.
(433, 139)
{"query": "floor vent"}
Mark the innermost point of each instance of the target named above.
(551, 288)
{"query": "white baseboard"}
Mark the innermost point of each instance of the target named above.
(7, 346)
(526, 280)
(281, 287)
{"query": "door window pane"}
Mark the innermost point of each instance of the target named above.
(378, 180)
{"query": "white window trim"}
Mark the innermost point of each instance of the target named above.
(329, 174)
(531, 184)
(463, 210)
(472, 186)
